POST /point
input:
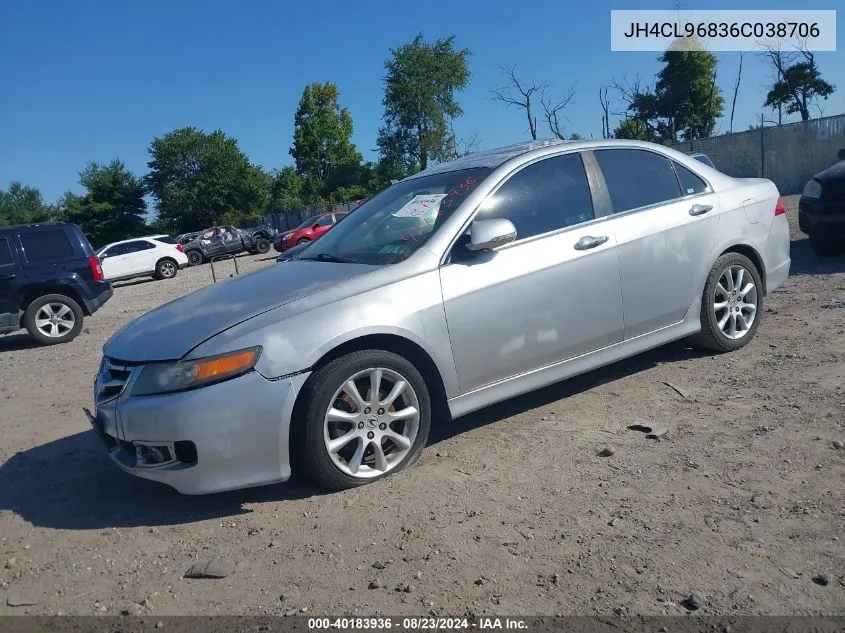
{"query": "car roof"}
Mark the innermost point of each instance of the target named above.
(494, 158)
(134, 239)
(35, 225)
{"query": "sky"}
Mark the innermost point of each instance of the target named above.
(95, 80)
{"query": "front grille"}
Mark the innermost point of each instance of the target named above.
(111, 380)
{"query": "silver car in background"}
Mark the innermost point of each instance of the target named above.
(461, 286)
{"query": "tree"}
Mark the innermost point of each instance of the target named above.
(286, 191)
(520, 94)
(605, 112)
(684, 102)
(634, 129)
(322, 133)
(421, 83)
(21, 204)
(113, 207)
(798, 82)
(553, 110)
(198, 178)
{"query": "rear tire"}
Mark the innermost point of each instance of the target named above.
(369, 424)
(53, 319)
(825, 243)
(166, 269)
(731, 305)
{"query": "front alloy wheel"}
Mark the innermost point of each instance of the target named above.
(368, 414)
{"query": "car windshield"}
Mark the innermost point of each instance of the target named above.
(308, 222)
(388, 228)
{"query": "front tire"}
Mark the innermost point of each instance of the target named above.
(262, 245)
(166, 269)
(731, 305)
(53, 319)
(195, 257)
(367, 414)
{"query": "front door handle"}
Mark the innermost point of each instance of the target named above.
(7, 276)
(590, 241)
(700, 209)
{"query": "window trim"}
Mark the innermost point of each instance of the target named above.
(708, 191)
(591, 182)
(10, 246)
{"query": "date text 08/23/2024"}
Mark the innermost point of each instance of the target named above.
(415, 624)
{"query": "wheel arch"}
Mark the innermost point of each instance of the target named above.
(54, 289)
(401, 346)
(751, 253)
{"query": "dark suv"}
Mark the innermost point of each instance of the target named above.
(50, 279)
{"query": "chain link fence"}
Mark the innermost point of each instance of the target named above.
(788, 155)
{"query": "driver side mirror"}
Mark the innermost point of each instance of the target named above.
(489, 234)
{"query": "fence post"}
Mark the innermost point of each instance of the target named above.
(762, 148)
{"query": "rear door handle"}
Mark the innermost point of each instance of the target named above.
(7, 276)
(700, 209)
(590, 241)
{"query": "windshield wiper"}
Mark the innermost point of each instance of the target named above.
(327, 257)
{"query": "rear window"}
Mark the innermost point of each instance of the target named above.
(166, 240)
(5, 252)
(46, 246)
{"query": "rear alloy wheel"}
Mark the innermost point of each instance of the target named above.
(194, 258)
(368, 415)
(262, 245)
(303, 240)
(731, 305)
(166, 269)
(53, 319)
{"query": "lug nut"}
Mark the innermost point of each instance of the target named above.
(382, 426)
(370, 435)
(381, 411)
(367, 410)
(360, 425)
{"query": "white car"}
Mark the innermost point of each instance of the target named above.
(158, 256)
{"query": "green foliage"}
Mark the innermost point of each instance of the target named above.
(575, 137)
(286, 191)
(197, 178)
(634, 129)
(113, 207)
(322, 133)
(21, 204)
(685, 101)
(799, 85)
(419, 100)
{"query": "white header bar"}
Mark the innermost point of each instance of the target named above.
(689, 30)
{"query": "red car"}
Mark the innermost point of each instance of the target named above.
(309, 230)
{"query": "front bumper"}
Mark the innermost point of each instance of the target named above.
(222, 437)
(813, 212)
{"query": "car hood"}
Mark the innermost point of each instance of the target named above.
(175, 328)
(832, 173)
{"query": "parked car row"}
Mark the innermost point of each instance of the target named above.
(227, 240)
(312, 228)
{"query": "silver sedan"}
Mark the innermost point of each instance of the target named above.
(461, 286)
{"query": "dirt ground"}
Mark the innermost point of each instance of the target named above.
(509, 511)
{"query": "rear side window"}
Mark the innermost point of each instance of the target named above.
(166, 240)
(546, 196)
(5, 252)
(690, 182)
(637, 178)
(46, 246)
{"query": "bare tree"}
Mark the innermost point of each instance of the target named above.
(797, 79)
(605, 109)
(736, 90)
(553, 110)
(519, 94)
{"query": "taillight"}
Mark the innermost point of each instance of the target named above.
(96, 269)
(179, 248)
(779, 208)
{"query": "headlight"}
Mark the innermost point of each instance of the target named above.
(287, 237)
(812, 189)
(182, 375)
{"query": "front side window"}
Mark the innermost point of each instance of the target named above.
(46, 246)
(546, 196)
(637, 178)
(388, 228)
(326, 220)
